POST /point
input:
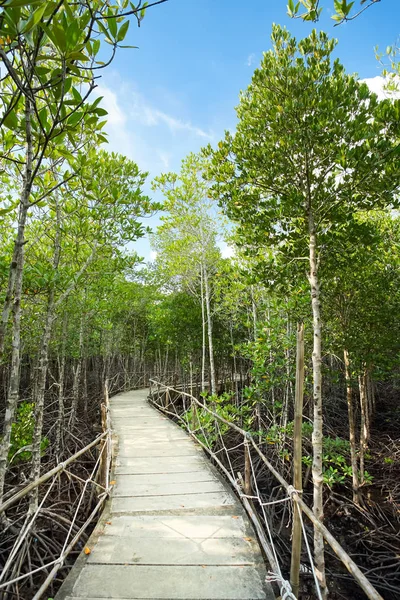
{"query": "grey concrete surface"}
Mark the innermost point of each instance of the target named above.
(172, 529)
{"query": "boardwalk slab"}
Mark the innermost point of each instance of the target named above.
(150, 482)
(159, 444)
(161, 451)
(173, 502)
(127, 488)
(174, 551)
(170, 582)
(172, 464)
(173, 529)
(156, 435)
(179, 526)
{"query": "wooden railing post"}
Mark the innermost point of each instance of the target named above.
(297, 461)
(105, 445)
(194, 416)
(247, 468)
(167, 400)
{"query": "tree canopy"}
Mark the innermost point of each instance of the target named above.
(310, 10)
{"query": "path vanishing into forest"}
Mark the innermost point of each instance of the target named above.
(172, 529)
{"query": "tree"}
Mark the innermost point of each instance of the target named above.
(186, 241)
(312, 146)
(310, 10)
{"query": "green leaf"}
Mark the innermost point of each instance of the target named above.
(5, 211)
(12, 3)
(77, 56)
(11, 120)
(75, 118)
(97, 102)
(122, 31)
(49, 32)
(60, 40)
(76, 95)
(112, 27)
(35, 18)
(96, 46)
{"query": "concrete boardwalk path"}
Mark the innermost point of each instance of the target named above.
(172, 529)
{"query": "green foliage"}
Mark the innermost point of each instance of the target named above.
(336, 452)
(361, 296)
(22, 434)
(332, 125)
(186, 239)
(310, 10)
(276, 433)
(212, 428)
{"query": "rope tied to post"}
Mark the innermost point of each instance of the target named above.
(284, 586)
(291, 490)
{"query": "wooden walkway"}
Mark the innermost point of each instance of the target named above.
(173, 530)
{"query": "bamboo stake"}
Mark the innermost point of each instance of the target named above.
(103, 457)
(297, 463)
(247, 468)
(194, 416)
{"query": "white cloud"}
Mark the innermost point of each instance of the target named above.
(251, 59)
(153, 116)
(165, 159)
(153, 255)
(110, 103)
(156, 139)
(377, 85)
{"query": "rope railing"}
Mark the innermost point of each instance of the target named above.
(99, 478)
(184, 407)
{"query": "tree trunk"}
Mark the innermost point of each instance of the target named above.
(42, 369)
(18, 267)
(235, 379)
(317, 436)
(166, 363)
(9, 297)
(203, 321)
(253, 313)
(210, 333)
(363, 424)
(77, 375)
(352, 428)
(39, 400)
(368, 402)
(61, 378)
(84, 389)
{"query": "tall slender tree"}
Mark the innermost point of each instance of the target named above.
(186, 240)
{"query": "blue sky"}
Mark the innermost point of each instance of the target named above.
(178, 91)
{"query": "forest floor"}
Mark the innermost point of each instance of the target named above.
(369, 531)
